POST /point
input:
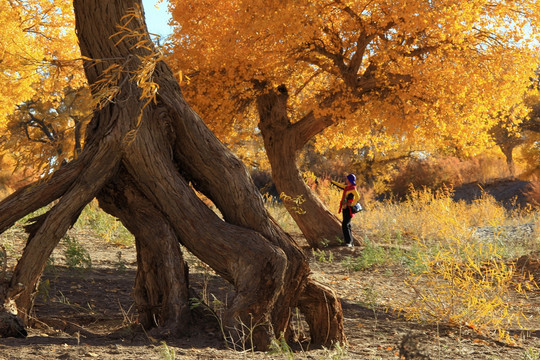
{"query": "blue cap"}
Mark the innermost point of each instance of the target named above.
(352, 179)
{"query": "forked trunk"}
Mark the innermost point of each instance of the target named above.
(283, 141)
(142, 160)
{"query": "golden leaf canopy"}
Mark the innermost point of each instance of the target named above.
(437, 73)
(37, 47)
(39, 62)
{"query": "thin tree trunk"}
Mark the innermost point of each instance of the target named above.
(508, 150)
(283, 141)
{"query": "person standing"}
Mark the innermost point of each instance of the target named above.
(349, 197)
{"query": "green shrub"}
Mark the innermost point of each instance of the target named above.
(370, 256)
(77, 257)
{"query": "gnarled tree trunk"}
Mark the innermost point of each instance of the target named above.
(141, 161)
(283, 141)
(161, 284)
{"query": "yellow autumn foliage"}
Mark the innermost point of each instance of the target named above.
(37, 47)
(39, 61)
(16, 52)
(385, 72)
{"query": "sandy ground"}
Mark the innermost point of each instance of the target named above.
(89, 314)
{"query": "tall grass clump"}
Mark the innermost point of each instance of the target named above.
(468, 283)
(278, 211)
(430, 216)
(76, 256)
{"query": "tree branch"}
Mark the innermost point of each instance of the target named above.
(309, 126)
(38, 194)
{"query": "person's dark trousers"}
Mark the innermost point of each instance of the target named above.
(346, 226)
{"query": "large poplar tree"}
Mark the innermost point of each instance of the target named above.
(358, 74)
(145, 152)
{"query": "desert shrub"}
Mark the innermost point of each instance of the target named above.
(77, 257)
(484, 168)
(371, 255)
(467, 283)
(424, 173)
(167, 352)
(430, 216)
(323, 256)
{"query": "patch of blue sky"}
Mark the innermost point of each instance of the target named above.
(157, 17)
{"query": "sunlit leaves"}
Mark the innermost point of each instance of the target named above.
(435, 72)
(40, 119)
(38, 60)
(38, 49)
(18, 59)
(42, 134)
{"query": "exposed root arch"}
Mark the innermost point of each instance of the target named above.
(145, 183)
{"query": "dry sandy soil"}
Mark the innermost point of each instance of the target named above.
(87, 315)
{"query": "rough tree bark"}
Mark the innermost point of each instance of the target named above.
(161, 284)
(283, 141)
(146, 181)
